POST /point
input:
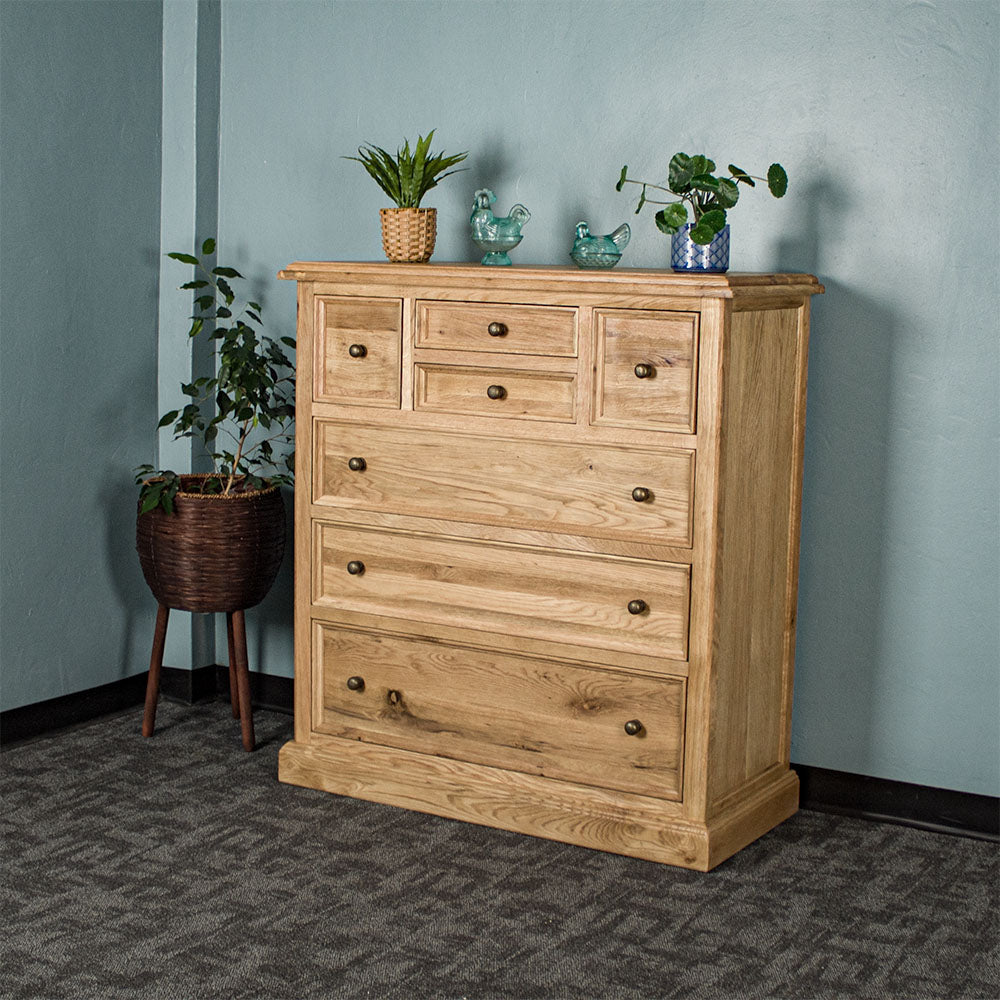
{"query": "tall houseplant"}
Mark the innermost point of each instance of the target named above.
(408, 231)
(213, 542)
(704, 243)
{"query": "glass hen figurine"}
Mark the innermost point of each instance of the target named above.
(496, 236)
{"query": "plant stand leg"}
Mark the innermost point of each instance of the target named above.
(243, 678)
(234, 697)
(155, 662)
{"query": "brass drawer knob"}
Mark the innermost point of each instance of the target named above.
(497, 329)
(633, 727)
(355, 567)
(357, 350)
(355, 683)
(644, 371)
(357, 464)
(640, 494)
(496, 392)
(637, 607)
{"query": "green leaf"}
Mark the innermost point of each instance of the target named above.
(679, 173)
(208, 247)
(728, 193)
(226, 291)
(226, 272)
(223, 313)
(622, 178)
(167, 418)
(205, 301)
(642, 200)
(741, 176)
(184, 258)
(288, 342)
(196, 327)
(195, 284)
(254, 305)
(705, 182)
(254, 316)
(707, 226)
(777, 180)
(670, 219)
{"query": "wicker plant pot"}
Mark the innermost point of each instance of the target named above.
(214, 553)
(408, 234)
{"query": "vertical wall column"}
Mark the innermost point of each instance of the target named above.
(189, 212)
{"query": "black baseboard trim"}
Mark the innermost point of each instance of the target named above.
(940, 810)
(18, 725)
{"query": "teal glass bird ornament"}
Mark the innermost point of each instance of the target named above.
(599, 251)
(496, 236)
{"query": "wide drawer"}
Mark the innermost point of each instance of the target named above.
(624, 493)
(646, 366)
(538, 716)
(602, 602)
(358, 344)
(495, 392)
(497, 328)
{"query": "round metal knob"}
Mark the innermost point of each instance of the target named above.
(497, 329)
(640, 494)
(633, 727)
(357, 350)
(496, 392)
(644, 371)
(356, 683)
(355, 567)
(637, 607)
(357, 464)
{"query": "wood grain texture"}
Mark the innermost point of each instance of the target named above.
(527, 395)
(525, 329)
(538, 716)
(501, 546)
(573, 488)
(668, 344)
(376, 326)
(532, 592)
(755, 602)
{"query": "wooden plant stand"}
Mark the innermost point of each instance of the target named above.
(239, 674)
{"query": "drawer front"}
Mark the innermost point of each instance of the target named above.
(572, 488)
(646, 368)
(358, 344)
(497, 328)
(516, 590)
(538, 716)
(495, 392)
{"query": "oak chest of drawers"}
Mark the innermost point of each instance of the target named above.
(546, 548)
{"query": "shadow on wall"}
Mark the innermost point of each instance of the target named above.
(270, 624)
(844, 498)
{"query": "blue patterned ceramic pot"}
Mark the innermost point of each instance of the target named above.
(686, 255)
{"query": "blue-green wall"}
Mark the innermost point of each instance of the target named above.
(886, 116)
(79, 238)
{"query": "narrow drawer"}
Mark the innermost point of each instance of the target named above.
(358, 351)
(537, 716)
(646, 367)
(495, 392)
(515, 590)
(624, 493)
(497, 328)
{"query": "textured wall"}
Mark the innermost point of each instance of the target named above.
(79, 215)
(885, 116)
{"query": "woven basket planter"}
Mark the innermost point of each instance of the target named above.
(214, 553)
(408, 234)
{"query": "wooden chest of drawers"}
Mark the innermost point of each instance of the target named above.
(546, 548)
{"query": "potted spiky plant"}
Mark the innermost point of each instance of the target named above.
(213, 542)
(408, 231)
(701, 245)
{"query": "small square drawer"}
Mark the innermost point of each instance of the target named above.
(358, 344)
(495, 392)
(598, 727)
(498, 328)
(646, 369)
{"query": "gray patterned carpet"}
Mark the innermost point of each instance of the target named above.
(179, 868)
